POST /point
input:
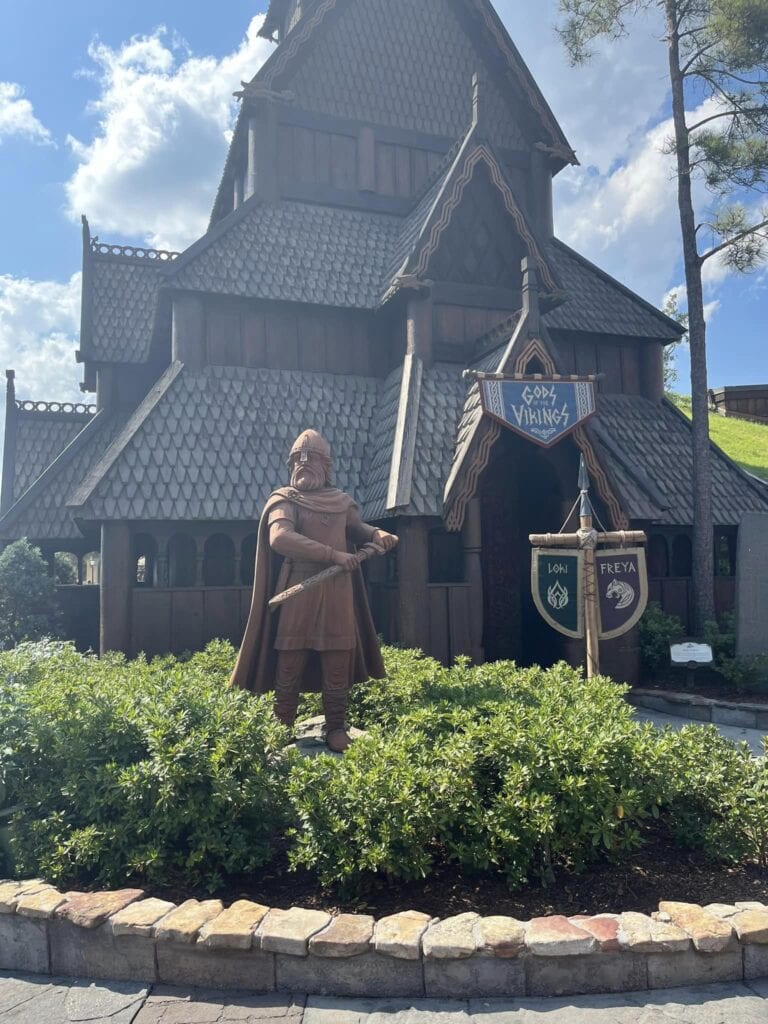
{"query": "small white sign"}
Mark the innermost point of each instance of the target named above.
(691, 654)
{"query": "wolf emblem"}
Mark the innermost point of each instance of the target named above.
(623, 591)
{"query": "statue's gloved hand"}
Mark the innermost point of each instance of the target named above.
(384, 540)
(347, 561)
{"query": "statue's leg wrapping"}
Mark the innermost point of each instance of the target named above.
(290, 669)
(336, 671)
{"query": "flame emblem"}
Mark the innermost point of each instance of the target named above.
(557, 596)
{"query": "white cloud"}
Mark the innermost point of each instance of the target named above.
(153, 167)
(17, 116)
(39, 324)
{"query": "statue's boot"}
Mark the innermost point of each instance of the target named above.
(335, 699)
(290, 667)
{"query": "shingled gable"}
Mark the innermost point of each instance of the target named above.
(405, 64)
(40, 513)
(381, 26)
(433, 215)
(212, 444)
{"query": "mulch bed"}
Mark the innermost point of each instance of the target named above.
(705, 685)
(660, 871)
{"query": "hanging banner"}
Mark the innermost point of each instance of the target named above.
(622, 589)
(557, 582)
(544, 411)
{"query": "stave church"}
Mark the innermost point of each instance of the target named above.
(384, 223)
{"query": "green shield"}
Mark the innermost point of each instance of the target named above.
(557, 582)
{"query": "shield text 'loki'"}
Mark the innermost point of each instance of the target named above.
(544, 411)
(622, 587)
(558, 589)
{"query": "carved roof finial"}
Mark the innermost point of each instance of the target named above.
(476, 98)
(10, 387)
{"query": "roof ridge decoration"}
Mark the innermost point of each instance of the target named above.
(84, 492)
(57, 408)
(137, 252)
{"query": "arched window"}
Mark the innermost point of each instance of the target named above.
(446, 557)
(248, 560)
(144, 560)
(219, 561)
(92, 568)
(682, 556)
(182, 561)
(658, 556)
(725, 554)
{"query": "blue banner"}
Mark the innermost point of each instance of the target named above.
(543, 410)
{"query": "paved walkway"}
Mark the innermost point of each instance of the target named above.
(754, 737)
(30, 999)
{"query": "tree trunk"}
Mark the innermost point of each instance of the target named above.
(703, 546)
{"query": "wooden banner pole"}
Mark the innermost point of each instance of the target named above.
(588, 539)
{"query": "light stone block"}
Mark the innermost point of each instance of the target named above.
(200, 967)
(234, 927)
(41, 904)
(91, 909)
(475, 977)
(23, 944)
(79, 952)
(140, 918)
(400, 935)
(751, 926)
(454, 938)
(183, 923)
(556, 936)
(710, 934)
(347, 935)
(499, 936)
(289, 931)
(641, 934)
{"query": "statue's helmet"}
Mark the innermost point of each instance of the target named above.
(310, 442)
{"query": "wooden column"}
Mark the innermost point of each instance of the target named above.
(366, 160)
(473, 569)
(253, 148)
(116, 588)
(106, 388)
(541, 182)
(7, 496)
(413, 579)
(237, 189)
(199, 561)
(419, 326)
(652, 370)
(261, 175)
(188, 331)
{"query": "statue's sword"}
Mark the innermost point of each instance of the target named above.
(366, 552)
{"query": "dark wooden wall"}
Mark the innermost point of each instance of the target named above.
(293, 338)
(630, 366)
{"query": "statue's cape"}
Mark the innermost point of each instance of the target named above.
(257, 660)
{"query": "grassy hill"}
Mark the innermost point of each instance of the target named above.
(745, 442)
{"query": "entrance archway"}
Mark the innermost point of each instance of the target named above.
(524, 490)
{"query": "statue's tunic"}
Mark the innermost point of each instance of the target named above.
(322, 619)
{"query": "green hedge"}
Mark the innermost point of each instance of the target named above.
(160, 773)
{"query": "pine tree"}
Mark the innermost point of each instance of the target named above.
(718, 60)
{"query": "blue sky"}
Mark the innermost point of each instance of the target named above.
(120, 111)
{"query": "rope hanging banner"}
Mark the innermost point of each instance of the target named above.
(590, 585)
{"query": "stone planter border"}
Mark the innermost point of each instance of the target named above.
(702, 709)
(123, 936)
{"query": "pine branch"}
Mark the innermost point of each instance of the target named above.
(734, 240)
(741, 111)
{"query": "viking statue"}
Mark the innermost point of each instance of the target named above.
(323, 639)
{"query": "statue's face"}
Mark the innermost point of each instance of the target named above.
(308, 471)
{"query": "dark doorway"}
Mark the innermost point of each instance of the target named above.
(524, 490)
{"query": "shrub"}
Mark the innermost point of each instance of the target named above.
(657, 632)
(519, 770)
(28, 606)
(133, 770)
